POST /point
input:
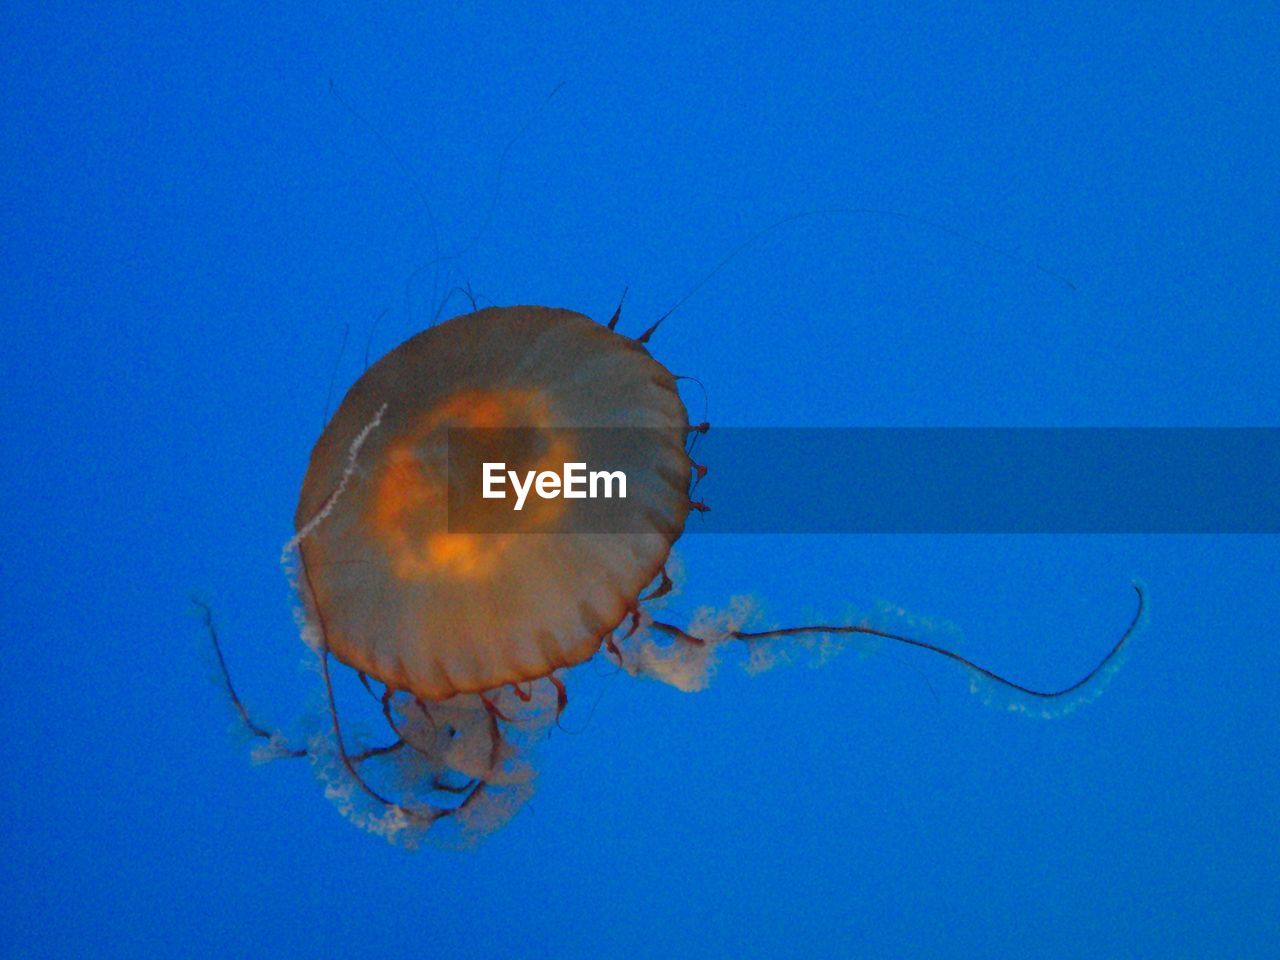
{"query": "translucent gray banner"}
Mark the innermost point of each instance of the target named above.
(914, 480)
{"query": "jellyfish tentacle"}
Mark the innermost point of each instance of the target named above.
(692, 435)
(364, 681)
(347, 759)
(369, 752)
(617, 314)
(644, 337)
(493, 709)
(333, 376)
(373, 328)
(699, 471)
(665, 586)
(672, 630)
(701, 386)
(427, 813)
(750, 636)
(635, 621)
(495, 743)
(253, 727)
(439, 783)
(562, 695)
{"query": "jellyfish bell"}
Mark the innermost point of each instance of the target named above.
(392, 592)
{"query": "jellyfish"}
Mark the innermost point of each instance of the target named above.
(464, 639)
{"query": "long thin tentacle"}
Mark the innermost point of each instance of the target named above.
(749, 636)
(427, 813)
(253, 727)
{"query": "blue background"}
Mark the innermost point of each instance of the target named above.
(189, 220)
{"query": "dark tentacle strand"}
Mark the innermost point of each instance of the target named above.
(364, 755)
(644, 337)
(749, 636)
(426, 813)
(457, 793)
(664, 587)
(617, 314)
(254, 728)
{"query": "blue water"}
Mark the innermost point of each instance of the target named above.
(190, 221)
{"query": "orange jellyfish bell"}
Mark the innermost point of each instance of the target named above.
(386, 586)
